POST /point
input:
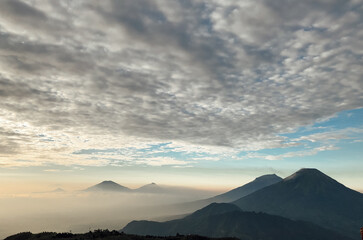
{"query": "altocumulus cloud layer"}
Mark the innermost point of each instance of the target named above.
(201, 74)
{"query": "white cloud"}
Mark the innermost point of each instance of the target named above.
(161, 161)
(219, 76)
(346, 133)
(292, 154)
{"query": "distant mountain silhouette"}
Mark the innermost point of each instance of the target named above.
(234, 194)
(227, 220)
(108, 186)
(150, 188)
(312, 196)
(57, 190)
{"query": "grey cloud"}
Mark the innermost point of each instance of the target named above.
(15, 8)
(144, 69)
(26, 19)
(11, 141)
(8, 148)
(145, 22)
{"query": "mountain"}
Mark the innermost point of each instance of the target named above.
(312, 196)
(234, 194)
(227, 220)
(150, 188)
(258, 183)
(108, 186)
(58, 190)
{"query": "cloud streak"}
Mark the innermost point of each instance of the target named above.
(201, 73)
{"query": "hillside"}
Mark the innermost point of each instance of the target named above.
(227, 220)
(257, 184)
(234, 194)
(104, 235)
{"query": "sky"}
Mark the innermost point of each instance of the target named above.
(200, 93)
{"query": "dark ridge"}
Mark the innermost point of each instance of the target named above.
(105, 235)
(213, 209)
(227, 220)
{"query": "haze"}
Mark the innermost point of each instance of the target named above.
(81, 211)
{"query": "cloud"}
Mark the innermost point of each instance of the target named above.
(292, 154)
(301, 153)
(162, 161)
(346, 133)
(224, 75)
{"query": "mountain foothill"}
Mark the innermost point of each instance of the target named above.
(306, 205)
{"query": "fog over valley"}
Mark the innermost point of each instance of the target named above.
(80, 211)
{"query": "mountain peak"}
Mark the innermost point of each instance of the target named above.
(58, 190)
(150, 185)
(268, 177)
(311, 180)
(308, 170)
(108, 182)
(150, 188)
(108, 186)
(311, 173)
